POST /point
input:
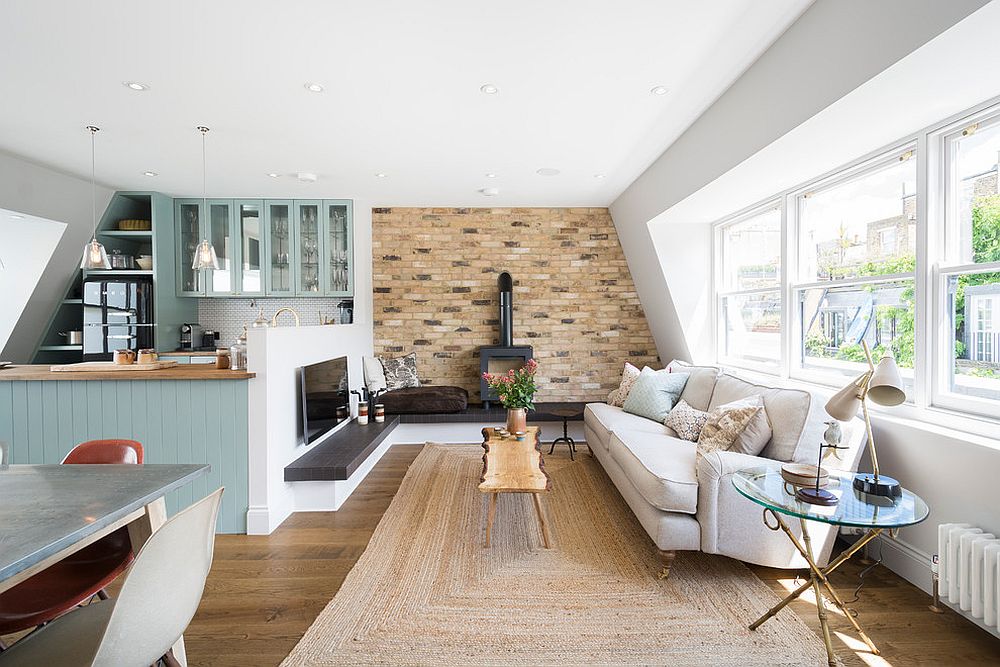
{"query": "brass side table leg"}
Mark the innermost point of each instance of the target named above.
(831, 657)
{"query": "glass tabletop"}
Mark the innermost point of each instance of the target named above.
(765, 486)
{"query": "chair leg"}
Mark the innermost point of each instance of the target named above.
(667, 559)
(169, 660)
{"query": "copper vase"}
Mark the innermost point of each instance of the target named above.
(517, 420)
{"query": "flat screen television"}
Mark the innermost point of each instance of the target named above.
(326, 397)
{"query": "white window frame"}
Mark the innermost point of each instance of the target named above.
(851, 172)
(720, 293)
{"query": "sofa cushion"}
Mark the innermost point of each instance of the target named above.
(726, 423)
(700, 385)
(654, 394)
(604, 419)
(686, 421)
(661, 467)
(629, 375)
(787, 410)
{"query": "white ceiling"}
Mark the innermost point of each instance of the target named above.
(401, 95)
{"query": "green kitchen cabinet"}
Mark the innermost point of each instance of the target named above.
(188, 218)
(279, 248)
(310, 248)
(220, 230)
(338, 233)
(250, 253)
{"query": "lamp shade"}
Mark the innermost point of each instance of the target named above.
(205, 257)
(886, 387)
(95, 256)
(843, 406)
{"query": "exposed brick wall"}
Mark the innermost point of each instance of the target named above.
(435, 273)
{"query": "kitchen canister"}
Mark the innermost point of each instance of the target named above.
(363, 412)
(379, 413)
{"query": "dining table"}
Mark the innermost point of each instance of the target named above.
(48, 512)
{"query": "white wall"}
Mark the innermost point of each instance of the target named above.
(275, 355)
(38, 191)
(834, 47)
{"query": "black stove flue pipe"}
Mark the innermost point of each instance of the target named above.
(506, 286)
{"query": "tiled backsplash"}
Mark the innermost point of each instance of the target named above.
(228, 316)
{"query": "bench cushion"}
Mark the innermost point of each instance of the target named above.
(424, 400)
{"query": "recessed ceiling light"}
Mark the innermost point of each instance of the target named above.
(306, 177)
(15, 216)
(489, 89)
(598, 175)
(659, 90)
(489, 192)
(135, 85)
(490, 174)
(314, 87)
(273, 175)
(150, 173)
(379, 174)
(547, 171)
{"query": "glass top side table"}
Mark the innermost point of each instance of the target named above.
(765, 486)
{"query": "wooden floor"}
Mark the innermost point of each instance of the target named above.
(264, 592)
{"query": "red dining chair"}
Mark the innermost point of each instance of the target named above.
(81, 575)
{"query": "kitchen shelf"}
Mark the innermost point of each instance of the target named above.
(55, 348)
(120, 272)
(68, 302)
(126, 234)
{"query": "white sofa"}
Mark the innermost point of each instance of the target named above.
(686, 502)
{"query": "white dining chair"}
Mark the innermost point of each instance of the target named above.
(160, 595)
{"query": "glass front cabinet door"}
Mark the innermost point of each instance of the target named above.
(187, 214)
(309, 248)
(339, 233)
(220, 233)
(279, 276)
(250, 275)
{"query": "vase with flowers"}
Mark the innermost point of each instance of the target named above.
(516, 391)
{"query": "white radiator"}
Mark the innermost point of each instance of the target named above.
(968, 572)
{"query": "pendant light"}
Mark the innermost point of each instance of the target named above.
(94, 254)
(204, 254)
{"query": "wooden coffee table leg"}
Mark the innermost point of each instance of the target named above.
(489, 516)
(541, 519)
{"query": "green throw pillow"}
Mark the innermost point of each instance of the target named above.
(654, 394)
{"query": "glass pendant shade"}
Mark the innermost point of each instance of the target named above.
(95, 256)
(204, 256)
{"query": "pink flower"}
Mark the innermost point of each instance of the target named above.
(503, 397)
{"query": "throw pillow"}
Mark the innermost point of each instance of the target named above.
(686, 421)
(629, 375)
(374, 374)
(401, 372)
(654, 394)
(724, 425)
(757, 433)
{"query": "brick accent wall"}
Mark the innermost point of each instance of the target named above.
(434, 278)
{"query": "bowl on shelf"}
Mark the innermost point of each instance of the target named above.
(135, 225)
(144, 262)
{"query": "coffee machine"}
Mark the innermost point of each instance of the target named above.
(191, 336)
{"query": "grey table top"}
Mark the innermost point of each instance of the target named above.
(47, 508)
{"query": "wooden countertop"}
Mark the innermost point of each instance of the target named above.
(186, 353)
(179, 372)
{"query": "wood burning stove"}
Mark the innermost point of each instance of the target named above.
(505, 356)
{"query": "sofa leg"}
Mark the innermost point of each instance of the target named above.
(667, 559)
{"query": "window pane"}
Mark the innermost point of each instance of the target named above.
(975, 313)
(864, 227)
(836, 320)
(977, 201)
(752, 327)
(751, 252)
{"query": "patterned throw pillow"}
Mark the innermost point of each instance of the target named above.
(724, 425)
(653, 395)
(401, 372)
(686, 421)
(629, 375)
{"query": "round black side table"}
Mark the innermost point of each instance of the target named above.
(566, 414)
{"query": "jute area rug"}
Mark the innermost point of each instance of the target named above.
(427, 591)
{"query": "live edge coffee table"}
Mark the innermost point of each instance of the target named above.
(514, 466)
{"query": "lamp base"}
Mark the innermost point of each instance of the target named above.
(814, 496)
(866, 482)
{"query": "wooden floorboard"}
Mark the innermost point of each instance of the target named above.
(265, 591)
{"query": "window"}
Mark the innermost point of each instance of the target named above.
(856, 272)
(749, 303)
(856, 264)
(969, 360)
